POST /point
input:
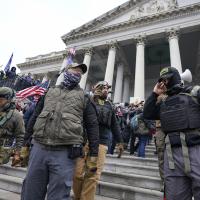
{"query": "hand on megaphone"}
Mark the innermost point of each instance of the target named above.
(186, 76)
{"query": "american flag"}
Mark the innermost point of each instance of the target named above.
(72, 51)
(31, 91)
(70, 56)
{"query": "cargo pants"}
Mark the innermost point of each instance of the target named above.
(85, 187)
(178, 184)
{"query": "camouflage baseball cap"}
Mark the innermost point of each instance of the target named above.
(81, 65)
(167, 73)
(101, 83)
(6, 92)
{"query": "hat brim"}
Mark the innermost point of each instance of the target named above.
(163, 77)
(83, 67)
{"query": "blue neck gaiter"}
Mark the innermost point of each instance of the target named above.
(71, 79)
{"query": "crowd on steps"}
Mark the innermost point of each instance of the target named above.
(63, 134)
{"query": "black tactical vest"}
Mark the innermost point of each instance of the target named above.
(180, 112)
(104, 114)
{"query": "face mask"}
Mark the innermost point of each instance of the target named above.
(71, 79)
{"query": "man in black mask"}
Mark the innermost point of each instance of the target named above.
(179, 114)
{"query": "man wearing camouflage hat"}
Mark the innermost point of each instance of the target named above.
(179, 114)
(11, 128)
(84, 185)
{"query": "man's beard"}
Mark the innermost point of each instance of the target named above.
(103, 96)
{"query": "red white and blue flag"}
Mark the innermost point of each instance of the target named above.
(72, 51)
(34, 90)
(70, 55)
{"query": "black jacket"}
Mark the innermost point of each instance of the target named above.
(114, 128)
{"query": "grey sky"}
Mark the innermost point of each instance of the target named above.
(32, 27)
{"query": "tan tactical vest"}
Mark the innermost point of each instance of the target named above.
(61, 120)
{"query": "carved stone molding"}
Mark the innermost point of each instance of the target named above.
(113, 45)
(119, 63)
(140, 39)
(65, 53)
(141, 21)
(88, 51)
(41, 61)
(172, 33)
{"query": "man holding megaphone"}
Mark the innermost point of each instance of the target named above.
(179, 114)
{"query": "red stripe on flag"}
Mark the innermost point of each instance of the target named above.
(30, 92)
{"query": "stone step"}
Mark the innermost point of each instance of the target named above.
(14, 172)
(112, 192)
(147, 149)
(103, 198)
(115, 168)
(124, 192)
(132, 160)
(132, 169)
(150, 147)
(105, 190)
(147, 154)
(10, 183)
(6, 195)
(134, 180)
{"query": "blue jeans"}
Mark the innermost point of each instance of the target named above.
(109, 142)
(142, 143)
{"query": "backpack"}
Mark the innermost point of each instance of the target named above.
(134, 122)
(138, 125)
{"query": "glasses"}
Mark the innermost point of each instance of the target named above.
(102, 83)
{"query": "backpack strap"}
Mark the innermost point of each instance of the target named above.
(6, 117)
(193, 94)
(169, 153)
(185, 153)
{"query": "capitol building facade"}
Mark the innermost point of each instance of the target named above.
(129, 45)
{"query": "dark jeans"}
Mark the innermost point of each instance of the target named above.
(133, 147)
(50, 168)
(109, 143)
(142, 144)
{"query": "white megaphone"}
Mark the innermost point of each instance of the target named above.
(186, 76)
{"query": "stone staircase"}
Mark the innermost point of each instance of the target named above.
(127, 178)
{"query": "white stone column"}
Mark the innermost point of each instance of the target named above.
(88, 87)
(87, 60)
(110, 63)
(126, 89)
(175, 57)
(46, 77)
(119, 84)
(139, 89)
(64, 64)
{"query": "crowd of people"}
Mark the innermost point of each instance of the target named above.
(18, 82)
(64, 135)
